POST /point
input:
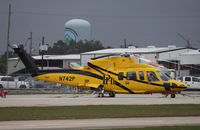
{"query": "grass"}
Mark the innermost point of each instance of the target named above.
(97, 111)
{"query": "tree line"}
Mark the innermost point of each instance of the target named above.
(60, 48)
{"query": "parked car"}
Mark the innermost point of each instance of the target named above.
(192, 82)
(11, 82)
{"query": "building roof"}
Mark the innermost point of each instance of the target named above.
(55, 57)
(133, 50)
(193, 52)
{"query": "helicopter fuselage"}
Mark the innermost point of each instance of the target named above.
(118, 75)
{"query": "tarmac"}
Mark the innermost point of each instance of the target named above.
(91, 99)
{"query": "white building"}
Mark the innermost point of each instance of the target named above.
(191, 57)
(49, 62)
(157, 53)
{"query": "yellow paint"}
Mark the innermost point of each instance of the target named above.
(109, 68)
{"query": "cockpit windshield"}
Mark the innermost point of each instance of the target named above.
(163, 76)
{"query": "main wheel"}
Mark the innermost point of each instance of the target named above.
(112, 94)
(101, 89)
(22, 86)
(101, 95)
(173, 95)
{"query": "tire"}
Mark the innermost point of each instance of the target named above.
(112, 94)
(101, 95)
(1, 86)
(22, 86)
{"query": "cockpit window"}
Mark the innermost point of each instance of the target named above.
(163, 76)
(152, 76)
(131, 76)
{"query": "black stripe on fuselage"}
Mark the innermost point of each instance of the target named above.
(115, 82)
(161, 85)
(122, 86)
(71, 71)
(86, 73)
(94, 66)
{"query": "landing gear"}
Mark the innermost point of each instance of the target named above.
(101, 89)
(101, 95)
(112, 94)
(173, 95)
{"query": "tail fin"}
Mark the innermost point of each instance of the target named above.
(27, 60)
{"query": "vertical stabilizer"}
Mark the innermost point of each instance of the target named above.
(27, 60)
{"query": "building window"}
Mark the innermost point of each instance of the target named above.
(56, 63)
(40, 62)
(50, 63)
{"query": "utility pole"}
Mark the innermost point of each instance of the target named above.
(42, 51)
(124, 43)
(8, 38)
(31, 44)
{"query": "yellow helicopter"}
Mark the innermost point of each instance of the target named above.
(121, 74)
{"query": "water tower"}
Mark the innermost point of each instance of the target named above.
(77, 29)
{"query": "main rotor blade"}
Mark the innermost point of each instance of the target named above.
(12, 45)
(103, 56)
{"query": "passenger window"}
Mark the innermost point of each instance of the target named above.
(7, 79)
(120, 75)
(131, 76)
(194, 79)
(3, 79)
(22, 78)
(152, 76)
(187, 79)
(11, 79)
(141, 75)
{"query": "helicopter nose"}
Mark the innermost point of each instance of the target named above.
(184, 86)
